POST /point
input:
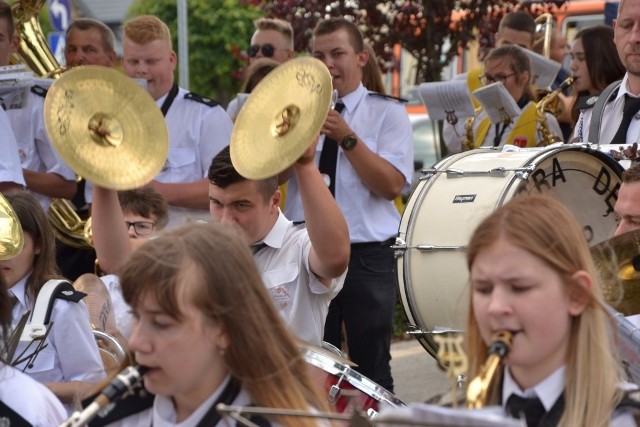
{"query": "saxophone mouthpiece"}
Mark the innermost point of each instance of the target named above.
(501, 344)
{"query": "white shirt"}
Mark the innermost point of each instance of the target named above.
(10, 170)
(298, 295)
(121, 310)
(611, 118)
(71, 353)
(455, 136)
(550, 389)
(197, 132)
(383, 125)
(34, 147)
(29, 399)
(162, 414)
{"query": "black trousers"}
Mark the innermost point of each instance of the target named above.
(366, 304)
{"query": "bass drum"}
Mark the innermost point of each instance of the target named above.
(453, 197)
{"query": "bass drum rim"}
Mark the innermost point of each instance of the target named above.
(404, 281)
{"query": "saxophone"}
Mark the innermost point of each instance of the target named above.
(479, 386)
(469, 143)
(550, 104)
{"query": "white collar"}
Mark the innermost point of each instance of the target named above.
(164, 412)
(352, 99)
(624, 88)
(548, 390)
(275, 236)
(19, 290)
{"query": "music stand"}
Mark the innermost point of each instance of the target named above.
(450, 100)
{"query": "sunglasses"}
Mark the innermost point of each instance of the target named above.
(267, 50)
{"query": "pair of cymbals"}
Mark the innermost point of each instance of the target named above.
(11, 236)
(618, 262)
(106, 127)
(281, 117)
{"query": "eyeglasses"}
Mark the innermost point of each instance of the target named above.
(486, 79)
(142, 228)
(267, 50)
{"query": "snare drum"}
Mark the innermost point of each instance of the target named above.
(346, 389)
(451, 200)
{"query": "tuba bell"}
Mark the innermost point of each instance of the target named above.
(33, 50)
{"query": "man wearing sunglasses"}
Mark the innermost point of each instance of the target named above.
(272, 39)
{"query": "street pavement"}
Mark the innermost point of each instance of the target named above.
(416, 375)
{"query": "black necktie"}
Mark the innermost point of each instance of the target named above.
(631, 107)
(329, 157)
(531, 407)
(257, 247)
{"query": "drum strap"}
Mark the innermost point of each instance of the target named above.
(473, 82)
(598, 111)
(523, 133)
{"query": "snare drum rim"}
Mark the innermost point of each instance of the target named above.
(354, 378)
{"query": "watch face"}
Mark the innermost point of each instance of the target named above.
(348, 142)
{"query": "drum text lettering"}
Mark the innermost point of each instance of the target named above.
(601, 186)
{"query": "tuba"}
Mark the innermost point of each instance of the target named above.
(34, 51)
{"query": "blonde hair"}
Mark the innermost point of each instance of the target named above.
(544, 227)
(279, 25)
(145, 29)
(228, 290)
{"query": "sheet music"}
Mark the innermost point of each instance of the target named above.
(543, 70)
(426, 414)
(497, 102)
(443, 99)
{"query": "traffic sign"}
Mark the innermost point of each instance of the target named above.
(57, 42)
(59, 14)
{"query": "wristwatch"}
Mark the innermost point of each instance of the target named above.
(349, 142)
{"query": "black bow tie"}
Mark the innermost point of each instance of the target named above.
(529, 407)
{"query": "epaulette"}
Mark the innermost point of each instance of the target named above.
(588, 101)
(9, 417)
(133, 403)
(39, 90)
(67, 292)
(201, 99)
(630, 400)
(391, 97)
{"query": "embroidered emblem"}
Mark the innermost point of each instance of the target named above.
(67, 293)
(5, 422)
(592, 100)
(280, 296)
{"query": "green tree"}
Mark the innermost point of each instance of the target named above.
(432, 31)
(219, 31)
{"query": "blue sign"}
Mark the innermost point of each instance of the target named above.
(57, 42)
(59, 14)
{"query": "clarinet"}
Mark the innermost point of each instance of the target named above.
(123, 383)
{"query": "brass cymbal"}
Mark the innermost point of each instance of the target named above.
(281, 117)
(11, 236)
(106, 127)
(618, 261)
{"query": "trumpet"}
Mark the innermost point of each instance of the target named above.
(125, 382)
(477, 391)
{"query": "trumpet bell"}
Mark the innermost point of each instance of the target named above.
(11, 236)
(106, 127)
(281, 117)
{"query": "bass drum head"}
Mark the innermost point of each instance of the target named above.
(451, 200)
